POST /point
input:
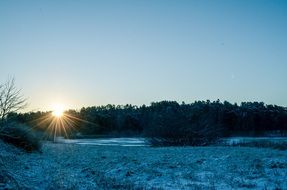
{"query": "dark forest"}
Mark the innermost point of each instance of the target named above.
(197, 123)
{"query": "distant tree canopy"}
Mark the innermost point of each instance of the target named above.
(169, 119)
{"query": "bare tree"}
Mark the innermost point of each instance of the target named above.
(11, 99)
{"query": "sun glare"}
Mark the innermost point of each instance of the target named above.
(59, 122)
(58, 111)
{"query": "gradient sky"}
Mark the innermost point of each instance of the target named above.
(85, 53)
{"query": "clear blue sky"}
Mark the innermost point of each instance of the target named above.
(84, 53)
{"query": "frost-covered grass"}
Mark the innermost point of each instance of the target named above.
(74, 166)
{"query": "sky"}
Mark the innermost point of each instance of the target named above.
(89, 53)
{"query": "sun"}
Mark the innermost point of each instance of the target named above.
(58, 110)
(57, 113)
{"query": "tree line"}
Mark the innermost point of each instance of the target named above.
(171, 120)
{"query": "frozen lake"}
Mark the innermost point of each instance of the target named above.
(143, 142)
(238, 140)
(105, 141)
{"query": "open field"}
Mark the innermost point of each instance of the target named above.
(74, 166)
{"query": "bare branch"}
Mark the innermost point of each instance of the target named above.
(11, 99)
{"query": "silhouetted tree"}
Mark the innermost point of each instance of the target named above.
(11, 99)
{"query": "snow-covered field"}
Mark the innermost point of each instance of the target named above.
(82, 166)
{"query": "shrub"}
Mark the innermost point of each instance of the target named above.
(20, 136)
(182, 141)
(184, 136)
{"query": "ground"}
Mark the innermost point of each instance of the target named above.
(75, 166)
